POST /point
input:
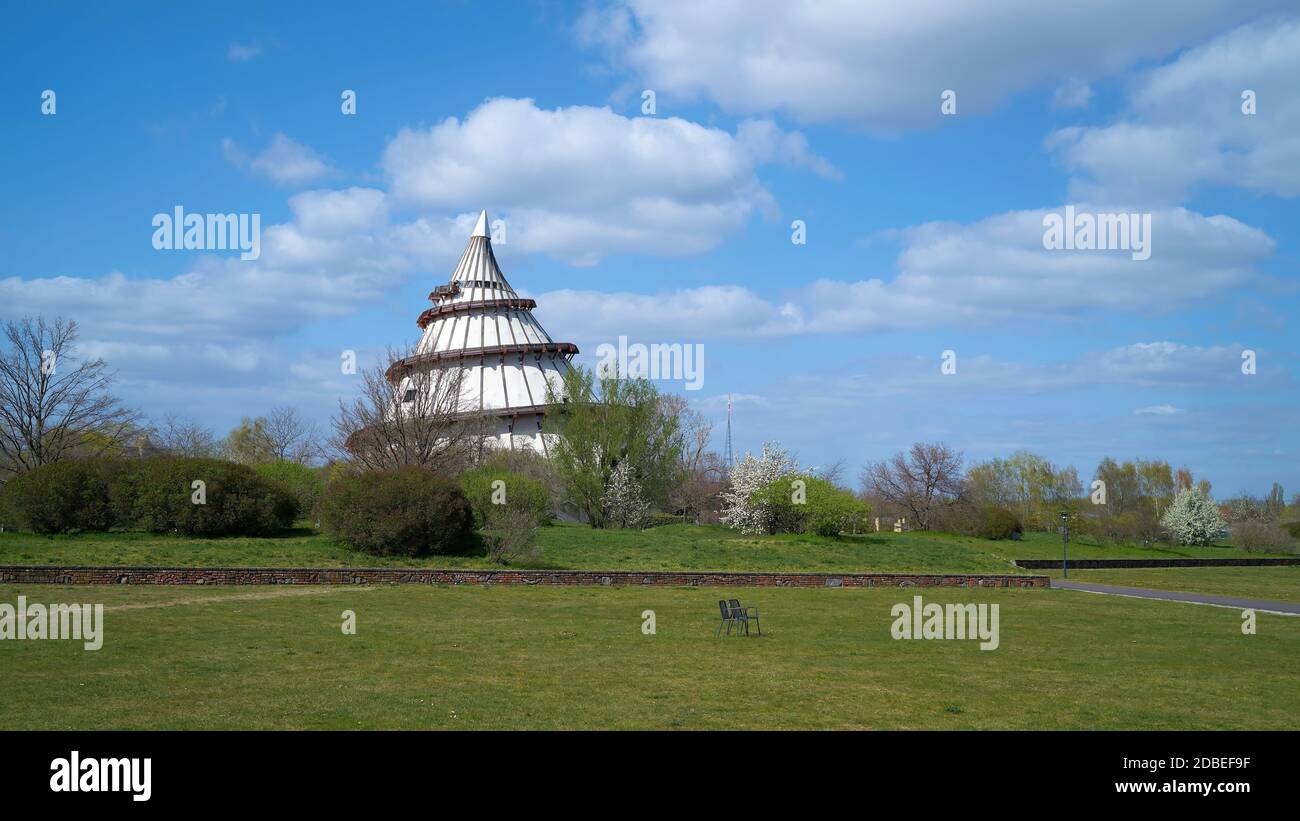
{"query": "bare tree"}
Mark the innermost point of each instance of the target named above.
(180, 436)
(696, 429)
(51, 405)
(917, 480)
(292, 437)
(698, 493)
(416, 418)
(833, 473)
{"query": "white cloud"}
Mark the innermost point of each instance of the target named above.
(581, 182)
(978, 274)
(767, 143)
(1185, 127)
(1158, 410)
(240, 53)
(1161, 368)
(881, 66)
(285, 161)
(1072, 94)
(330, 213)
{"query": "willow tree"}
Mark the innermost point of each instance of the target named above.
(600, 422)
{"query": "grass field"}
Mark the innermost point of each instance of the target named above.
(1276, 583)
(513, 657)
(577, 547)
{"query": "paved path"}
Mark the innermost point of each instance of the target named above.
(1262, 605)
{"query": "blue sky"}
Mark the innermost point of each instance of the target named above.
(923, 229)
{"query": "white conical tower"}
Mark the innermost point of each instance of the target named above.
(480, 325)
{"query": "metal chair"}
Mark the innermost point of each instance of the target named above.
(743, 615)
(727, 618)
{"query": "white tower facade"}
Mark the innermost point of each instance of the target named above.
(479, 325)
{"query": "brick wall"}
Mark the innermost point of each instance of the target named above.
(23, 574)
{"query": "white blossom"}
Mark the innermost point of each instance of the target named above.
(624, 503)
(1193, 519)
(751, 474)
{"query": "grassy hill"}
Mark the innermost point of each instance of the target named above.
(577, 547)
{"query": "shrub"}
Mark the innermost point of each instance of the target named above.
(661, 519)
(998, 523)
(510, 534)
(302, 482)
(1256, 535)
(150, 494)
(518, 492)
(1193, 519)
(406, 511)
(61, 497)
(159, 495)
(1293, 528)
(983, 521)
(820, 507)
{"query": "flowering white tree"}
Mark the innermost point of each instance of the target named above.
(623, 501)
(1193, 519)
(739, 507)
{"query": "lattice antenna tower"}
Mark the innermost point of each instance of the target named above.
(727, 457)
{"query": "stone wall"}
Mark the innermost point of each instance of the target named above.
(23, 574)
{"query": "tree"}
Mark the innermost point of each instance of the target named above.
(803, 503)
(416, 418)
(53, 406)
(697, 494)
(599, 422)
(916, 481)
(623, 503)
(293, 438)
(1193, 519)
(1027, 484)
(832, 473)
(1275, 502)
(742, 504)
(184, 437)
(249, 443)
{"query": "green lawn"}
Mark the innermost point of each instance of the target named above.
(577, 547)
(516, 657)
(1276, 583)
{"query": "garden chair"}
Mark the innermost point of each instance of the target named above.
(743, 615)
(727, 618)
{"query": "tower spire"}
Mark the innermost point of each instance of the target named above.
(480, 228)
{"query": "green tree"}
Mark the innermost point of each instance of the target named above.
(802, 503)
(601, 422)
(250, 443)
(1275, 502)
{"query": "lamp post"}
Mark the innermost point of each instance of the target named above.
(1065, 541)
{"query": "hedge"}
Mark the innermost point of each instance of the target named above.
(401, 512)
(517, 491)
(302, 482)
(62, 497)
(157, 495)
